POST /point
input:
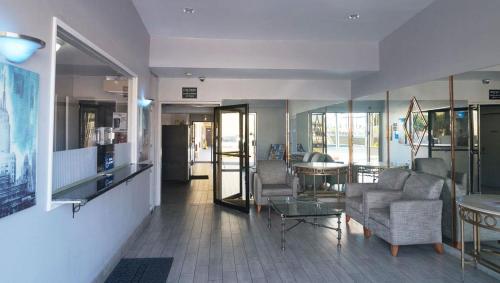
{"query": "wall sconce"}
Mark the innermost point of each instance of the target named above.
(18, 48)
(144, 102)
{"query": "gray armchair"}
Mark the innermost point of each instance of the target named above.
(438, 167)
(408, 217)
(272, 179)
(389, 180)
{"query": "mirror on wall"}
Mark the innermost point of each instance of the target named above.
(91, 97)
(319, 126)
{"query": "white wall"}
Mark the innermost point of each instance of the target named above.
(41, 246)
(342, 57)
(448, 37)
(216, 90)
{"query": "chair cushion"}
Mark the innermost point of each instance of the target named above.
(307, 156)
(392, 179)
(272, 171)
(381, 215)
(433, 166)
(355, 203)
(276, 190)
(318, 157)
(423, 186)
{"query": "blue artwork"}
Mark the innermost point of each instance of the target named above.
(18, 138)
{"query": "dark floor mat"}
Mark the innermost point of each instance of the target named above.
(141, 270)
(199, 177)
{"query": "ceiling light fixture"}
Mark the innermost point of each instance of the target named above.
(486, 81)
(18, 48)
(188, 10)
(188, 74)
(353, 17)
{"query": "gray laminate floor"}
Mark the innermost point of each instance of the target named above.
(213, 244)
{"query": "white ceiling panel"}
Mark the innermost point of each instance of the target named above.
(278, 19)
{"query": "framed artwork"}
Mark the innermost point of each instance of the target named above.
(18, 138)
(277, 152)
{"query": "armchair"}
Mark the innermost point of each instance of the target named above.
(272, 179)
(438, 167)
(390, 180)
(408, 217)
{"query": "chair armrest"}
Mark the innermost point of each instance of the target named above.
(257, 189)
(416, 220)
(357, 189)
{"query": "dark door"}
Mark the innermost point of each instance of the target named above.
(231, 159)
(489, 130)
(175, 153)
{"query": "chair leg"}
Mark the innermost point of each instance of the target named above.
(367, 232)
(438, 247)
(394, 250)
(347, 218)
(259, 207)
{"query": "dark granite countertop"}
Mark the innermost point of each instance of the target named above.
(84, 191)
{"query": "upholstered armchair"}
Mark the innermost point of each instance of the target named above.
(438, 167)
(391, 179)
(272, 180)
(408, 217)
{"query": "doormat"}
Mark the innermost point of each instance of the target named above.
(141, 270)
(198, 177)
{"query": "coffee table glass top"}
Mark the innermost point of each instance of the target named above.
(306, 207)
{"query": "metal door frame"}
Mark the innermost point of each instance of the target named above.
(244, 154)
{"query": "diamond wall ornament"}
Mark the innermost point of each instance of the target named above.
(415, 125)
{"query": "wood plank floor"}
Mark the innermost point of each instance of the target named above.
(213, 244)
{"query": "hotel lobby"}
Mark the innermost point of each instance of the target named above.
(262, 141)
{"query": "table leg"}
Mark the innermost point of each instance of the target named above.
(339, 232)
(462, 251)
(314, 186)
(282, 233)
(338, 184)
(474, 238)
(269, 215)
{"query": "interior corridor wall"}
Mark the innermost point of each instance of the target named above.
(50, 246)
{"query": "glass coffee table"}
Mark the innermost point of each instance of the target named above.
(303, 209)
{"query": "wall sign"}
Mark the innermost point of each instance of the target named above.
(189, 92)
(494, 94)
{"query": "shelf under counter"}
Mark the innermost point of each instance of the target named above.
(79, 193)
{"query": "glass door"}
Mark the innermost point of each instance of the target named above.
(231, 163)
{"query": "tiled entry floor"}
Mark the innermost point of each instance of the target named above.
(213, 244)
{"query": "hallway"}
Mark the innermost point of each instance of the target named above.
(214, 244)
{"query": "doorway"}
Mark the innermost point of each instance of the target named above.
(202, 142)
(484, 150)
(231, 157)
(489, 150)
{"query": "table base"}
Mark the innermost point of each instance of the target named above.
(303, 219)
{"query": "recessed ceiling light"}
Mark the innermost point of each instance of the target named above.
(188, 74)
(188, 10)
(353, 16)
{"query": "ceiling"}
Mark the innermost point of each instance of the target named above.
(490, 73)
(290, 74)
(73, 61)
(278, 19)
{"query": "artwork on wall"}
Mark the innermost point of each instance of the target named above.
(18, 138)
(277, 152)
